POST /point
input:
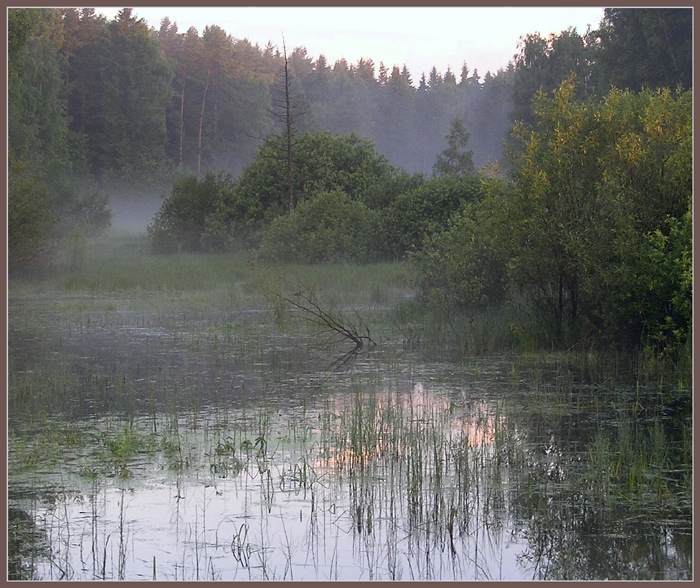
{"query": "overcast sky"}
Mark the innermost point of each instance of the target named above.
(420, 37)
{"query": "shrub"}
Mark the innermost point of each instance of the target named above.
(29, 217)
(180, 223)
(321, 162)
(462, 268)
(330, 227)
(415, 215)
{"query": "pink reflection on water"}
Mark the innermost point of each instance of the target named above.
(371, 425)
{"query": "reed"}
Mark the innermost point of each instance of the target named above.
(418, 460)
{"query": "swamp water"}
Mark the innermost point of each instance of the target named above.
(167, 436)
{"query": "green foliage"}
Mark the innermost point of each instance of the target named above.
(21, 24)
(180, 223)
(329, 227)
(462, 267)
(590, 240)
(216, 214)
(37, 124)
(29, 217)
(454, 160)
(663, 299)
(320, 162)
(46, 210)
(593, 181)
(49, 192)
(121, 111)
(137, 77)
(646, 48)
(426, 209)
(543, 64)
(633, 48)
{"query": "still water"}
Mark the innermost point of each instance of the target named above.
(185, 444)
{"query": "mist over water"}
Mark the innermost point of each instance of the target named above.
(182, 429)
(175, 414)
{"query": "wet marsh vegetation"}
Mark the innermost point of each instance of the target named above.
(171, 419)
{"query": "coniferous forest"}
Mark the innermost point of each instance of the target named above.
(559, 187)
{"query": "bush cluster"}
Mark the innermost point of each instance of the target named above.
(181, 222)
(329, 227)
(349, 205)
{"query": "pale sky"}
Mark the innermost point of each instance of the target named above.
(420, 37)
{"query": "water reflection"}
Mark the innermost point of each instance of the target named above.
(176, 451)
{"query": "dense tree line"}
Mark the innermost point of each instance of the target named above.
(51, 195)
(204, 99)
(579, 218)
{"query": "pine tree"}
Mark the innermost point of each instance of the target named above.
(423, 84)
(363, 72)
(434, 79)
(383, 76)
(464, 76)
(406, 75)
(454, 160)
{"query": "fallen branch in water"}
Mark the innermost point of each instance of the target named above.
(324, 314)
(332, 321)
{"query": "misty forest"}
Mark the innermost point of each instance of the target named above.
(276, 318)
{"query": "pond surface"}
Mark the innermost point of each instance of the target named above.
(192, 441)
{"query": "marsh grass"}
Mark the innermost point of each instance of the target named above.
(429, 475)
(173, 374)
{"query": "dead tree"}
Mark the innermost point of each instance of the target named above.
(332, 321)
(285, 110)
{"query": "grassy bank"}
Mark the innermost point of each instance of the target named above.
(122, 266)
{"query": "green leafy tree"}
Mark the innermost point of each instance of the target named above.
(181, 222)
(43, 151)
(121, 86)
(542, 64)
(38, 131)
(416, 214)
(21, 24)
(645, 47)
(29, 218)
(557, 221)
(666, 282)
(594, 180)
(321, 163)
(84, 47)
(646, 166)
(462, 268)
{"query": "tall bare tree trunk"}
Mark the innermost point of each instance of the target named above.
(289, 129)
(201, 121)
(182, 114)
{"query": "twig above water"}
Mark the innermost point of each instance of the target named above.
(333, 320)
